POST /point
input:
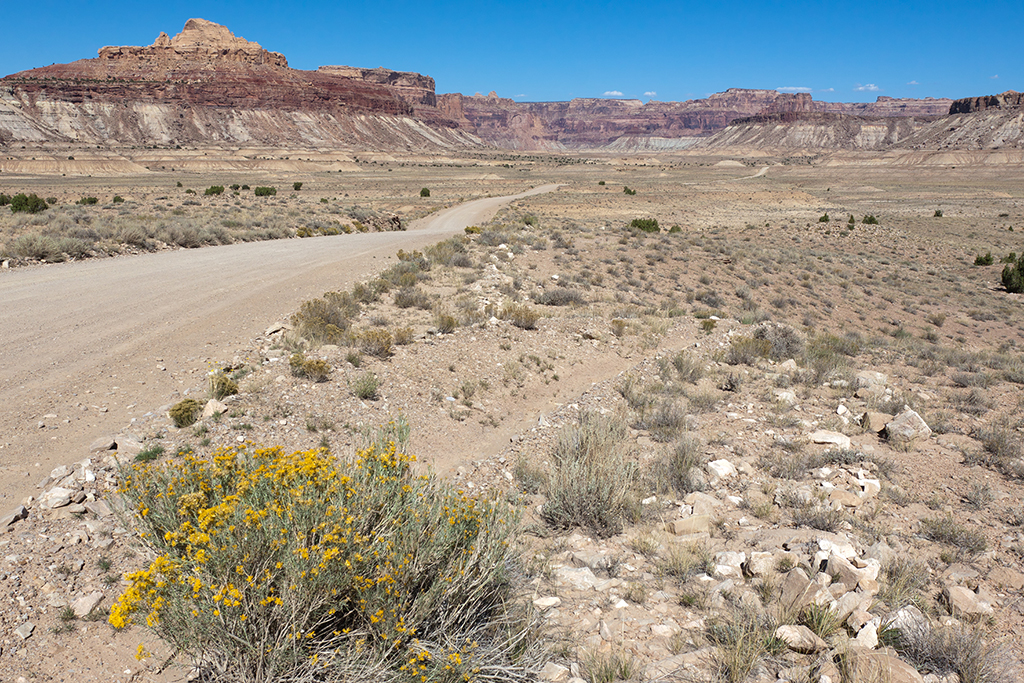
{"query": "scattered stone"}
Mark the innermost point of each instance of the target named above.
(800, 639)
(554, 672)
(826, 437)
(694, 524)
(55, 498)
(25, 630)
(213, 407)
(906, 427)
(869, 666)
(964, 602)
(845, 498)
(868, 379)
(99, 508)
(875, 422)
(104, 443)
(1006, 577)
(13, 516)
(84, 605)
(722, 469)
(867, 636)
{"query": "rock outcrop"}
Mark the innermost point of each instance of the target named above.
(207, 86)
(1010, 99)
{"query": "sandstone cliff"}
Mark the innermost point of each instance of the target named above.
(633, 125)
(1007, 100)
(205, 86)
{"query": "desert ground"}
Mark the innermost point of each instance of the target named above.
(722, 445)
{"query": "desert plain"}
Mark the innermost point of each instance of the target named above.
(749, 352)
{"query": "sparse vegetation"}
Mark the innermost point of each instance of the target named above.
(184, 413)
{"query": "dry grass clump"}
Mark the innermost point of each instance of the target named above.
(592, 478)
(684, 465)
(902, 580)
(325, 320)
(688, 368)
(377, 342)
(562, 297)
(747, 350)
(782, 341)
(968, 652)
(221, 385)
(742, 641)
(313, 369)
(947, 530)
(520, 315)
(275, 566)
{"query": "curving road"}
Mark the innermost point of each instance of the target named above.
(86, 346)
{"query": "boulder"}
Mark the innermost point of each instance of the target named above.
(800, 639)
(875, 422)
(722, 469)
(213, 407)
(694, 524)
(869, 666)
(906, 427)
(84, 605)
(965, 602)
(823, 436)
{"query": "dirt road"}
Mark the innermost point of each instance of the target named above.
(85, 347)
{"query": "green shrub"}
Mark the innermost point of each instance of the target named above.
(4, 199)
(600, 182)
(326, 319)
(472, 229)
(520, 315)
(986, 260)
(185, 413)
(627, 190)
(264, 191)
(150, 454)
(118, 199)
(403, 336)
(31, 203)
(938, 213)
(313, 369)
(413, 297)
(675, 230)
(783, 341)
(645, 224)
(851, 221)
(947, 530)
(221, 385)
(1013, 276)
(425, 192)
(870, 220)
(592, 478)
(380, 575)
(214, 190)
(235, 186)
(746, 350)
(297, 186)
(87, 200)
(824, 219)
(685, 465)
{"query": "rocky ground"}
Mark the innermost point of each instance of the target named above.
(865, 457)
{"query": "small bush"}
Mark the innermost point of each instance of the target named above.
(365, 386)
(27, 203)
(118, 199)
(949, 531)
(150, 454)
(562, 297)
(5, 199)
(783, 341)
(381, 572)
(627, 190)
(403, 336)
(746, 350)
(221, 385)
(313, 369)
(185, 413)
(688, 368)
(870, 220)
(742, 641)
(264, 191)
(425, 192)
(675, 230)
(645, 224)
(968, 652)
(446, 323)
(88, 200)
(324, 320)
(937, 214)
(901, 581)
(214, 190)
(520, 315)
(296, 186)
(824, 219)
(592, 478)
(685, 465)
(413, 297)
(986, 260)
(378, 343)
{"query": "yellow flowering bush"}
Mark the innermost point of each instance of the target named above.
(276, 566)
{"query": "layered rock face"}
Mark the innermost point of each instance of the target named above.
(206, 85)
(625, 124)
(1010, 99)
(414, 88)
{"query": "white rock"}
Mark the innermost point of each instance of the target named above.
(868, 636)
(547, 603)
(826, 437)
(580, 579)
(55, 498)
(722, 469)
(84, 605)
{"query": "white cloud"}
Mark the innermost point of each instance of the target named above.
(993, 77)
(650, 93)
(913, 83)
(794, 88)
(612, 93)
(521, 95)
(827, 90)
(870, 87)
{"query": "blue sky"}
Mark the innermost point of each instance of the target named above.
(543, 51)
